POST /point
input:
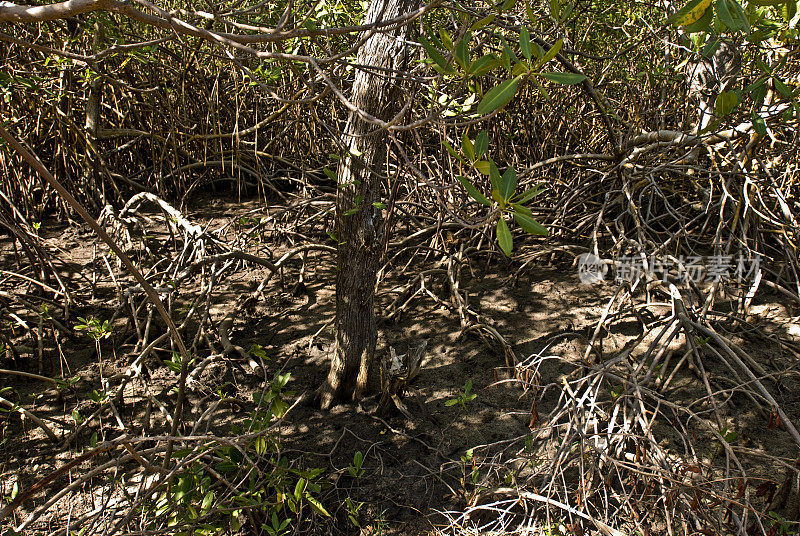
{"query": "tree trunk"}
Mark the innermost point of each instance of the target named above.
(376, 91)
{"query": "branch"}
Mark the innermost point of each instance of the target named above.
(10, 12)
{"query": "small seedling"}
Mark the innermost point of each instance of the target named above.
(256, 350)
(782, 526)
(464, 397)
(467, 461)
(355, 469)
(352, 511)
(175, 363)
(96, 329)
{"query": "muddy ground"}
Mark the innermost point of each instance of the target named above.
(413, 469)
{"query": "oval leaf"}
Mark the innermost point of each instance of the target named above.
(498, 96)
(504, 237)
(554, 50)
(508, 183)
(529, 194)
(467, 147)
(484, 167)
(484, 22)
(690, 13)
(494, 175)
(529, 225)
(433, 54)
(525, 42)
(702, 24)
(462, 53)
(565, 78)
(445, 37)
(725, 15)
(733, 17)
(473, 192)
(481, 144)
(483, 65)
(725, 104)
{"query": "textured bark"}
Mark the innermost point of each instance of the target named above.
(377, 92)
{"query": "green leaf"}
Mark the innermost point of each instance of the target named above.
(702, 23)
(483, 65)
(481, 144)
(565, 78)
(451, 402)
(452, 151)
(473, 192)
(494, 175)
(504, 237)
(446, 41)
(467, 148)
(498, 96)
(505, 60)
(529, 225)
(520, 69)
(507, 50)
(782, 88)
(529, 11)
(208, 500)
(499, 198)
(555, 9)
(522, 209)
(690, 13)
(711, 126)
(462, 52)
(525, 42)
(483, 166)
(788, 11)
(432, 52)
(316, 505)
(432, 36)
(508, 183)
(527, 195)
(554, 50)
(757, 91)
(732, 15)
(226, 467)
(739, 15)
(759, 125)
(484, 22)
(725, 103)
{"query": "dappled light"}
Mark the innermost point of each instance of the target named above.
(396, 267)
